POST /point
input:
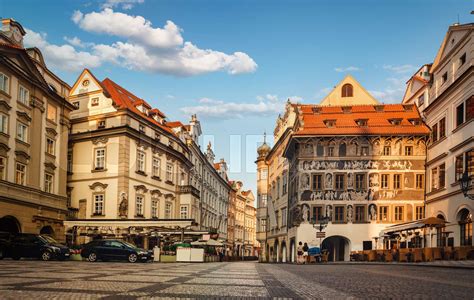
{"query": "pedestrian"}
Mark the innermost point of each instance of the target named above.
(221, 255)
(305, 253)
(299, 252)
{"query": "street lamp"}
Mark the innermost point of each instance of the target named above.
(320, 224)
(465, 185)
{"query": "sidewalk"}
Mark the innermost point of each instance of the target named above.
(460, 264)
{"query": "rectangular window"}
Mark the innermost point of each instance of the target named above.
(50, 146)
(264, 174)
(442, 128)
(69, 161)
(398, 213)
(434, 179)
(169, 172)
(3, 167)
(339, 214)
(154, 208)
(459, 164)
(76, 104)
(168, 210)
(183, 212)
(462, 59)
(364, 150)
(442, 176)
(360, 182)
(139, 206)
(20, 174)
(408, 150)
(444, 78)
(156, 167)
(384, 183)
(263, 202)
(3, 123)
(331, 151)
(470, 162)
(99, 159)
(48, 183)
(95, 101)
(386, 150)
(99, 204)
(51, 113)
(263, 225)
(24, 96)
(22, 132)
(420, 212)
(285, 183)
(317, 213)
(383, 213)
(420, 181)
(4, 83)
(397, 178)
(459, 114)
(317, 182)
(360, 213)
(283, 217)
(421, 100)
(140, 161)
(434, 132)
(339, 182)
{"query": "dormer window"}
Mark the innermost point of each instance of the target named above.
(395, 122)
(407, 107)
(330, 123)
(316, 110)
(415, 121)
(362, 122)
(100, 124)
(76, 104)
(347, 90)
(95, 101)
(347, 109)
(379, 108)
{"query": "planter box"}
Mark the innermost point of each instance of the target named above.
(167, 258)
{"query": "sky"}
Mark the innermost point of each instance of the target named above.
(235, 63)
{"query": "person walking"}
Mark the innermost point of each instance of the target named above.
(305, 253)
(299, 253)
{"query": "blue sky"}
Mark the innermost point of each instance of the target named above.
(235, 63)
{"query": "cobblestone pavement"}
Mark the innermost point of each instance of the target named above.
(28, 279)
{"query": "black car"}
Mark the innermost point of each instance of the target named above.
(5, 240)
(37, 246)
(114, 250)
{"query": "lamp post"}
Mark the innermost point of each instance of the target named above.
(320, 224)
(466, 185)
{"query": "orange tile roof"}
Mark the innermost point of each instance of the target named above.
(378, 120)
(174, 124)
(141, 102)
(217, 166)
(126, 100)
(156, 111)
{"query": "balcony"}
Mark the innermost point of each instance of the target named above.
(72, 213)
(189, 189)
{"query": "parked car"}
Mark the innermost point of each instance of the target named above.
(114, 250)
(37, 246)
(5, 240)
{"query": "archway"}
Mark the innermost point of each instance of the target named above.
(47, 230)
(440, 236)
(283, 252)
(275, 251)
(292, 250)
(338, 247)
(10, 224)
(464, 218)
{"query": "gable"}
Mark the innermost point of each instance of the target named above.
(452, 38)
(21, 61)
(85, 83)
(359, 94)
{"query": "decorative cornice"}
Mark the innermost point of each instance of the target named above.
(24, 115)
(50, 165)
(65, 122)
(22, 153)
(156, 192)
(98, 184)
(51, 131)
(5, 105)
(169, 195)
(100, 140)
(4, 147)
(36, 103)
(140, 187)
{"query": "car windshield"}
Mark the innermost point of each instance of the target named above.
(48, 239)
(129, 245)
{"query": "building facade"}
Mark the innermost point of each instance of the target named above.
(34, 126)
(128, 170)
(359, 164)
(449, 112)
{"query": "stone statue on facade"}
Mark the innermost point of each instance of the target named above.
(373, 213)
(329, 212)
(349, 214)
(305, 213)
(328, 181)
(123, 206)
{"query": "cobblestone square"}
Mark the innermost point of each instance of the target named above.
(28, 279)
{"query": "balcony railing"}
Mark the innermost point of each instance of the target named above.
(189, 189)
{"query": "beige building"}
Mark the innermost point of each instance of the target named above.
(272, 191)
(34, 125)
(128, 170)
(359, 164)
(449, 112)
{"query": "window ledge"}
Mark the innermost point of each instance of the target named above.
(169, 182)
(156, 178)
(2, 92)
(50, 155)
(141, 173)
(462, 126)
(5, 134)
(139, 216)
(99, 170)
(98, 215)
(436, 191)
(437, 142)
(23, 105)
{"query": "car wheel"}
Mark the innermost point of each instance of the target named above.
(132, 258)
(92, 257)
(46, 255)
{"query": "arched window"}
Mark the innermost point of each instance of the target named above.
(347, 90)
(465, 226)
(440, 235)
(342, 149)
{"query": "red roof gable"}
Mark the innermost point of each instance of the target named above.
(378, 117)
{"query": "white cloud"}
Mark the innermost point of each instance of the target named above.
(64, 57)
(76, 42)
(218, 109)
(154, 49)
(400, 69)
(393, 93)
(125, 4)
(295, 98)
(346, 69)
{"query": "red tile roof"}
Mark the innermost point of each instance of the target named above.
(174, 124)
(126, 100)
(156, 111)
(378, 120)
(217, 166)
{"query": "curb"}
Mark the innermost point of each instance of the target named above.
(382, 264)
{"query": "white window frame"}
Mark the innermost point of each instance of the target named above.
(20, 173)
(50, 146)
(3, 123)
(141, 161)
(154, 208)
(99, 204)
(5, 83)
(3, 167)
(169, 172)
(168, 210)
(156, 167)
(23, 95)
(99, 164)
(139, 205)
(48, 182)
(22, 132)
(183, 212)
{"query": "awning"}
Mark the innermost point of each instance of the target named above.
(422, 223)
(210, 242)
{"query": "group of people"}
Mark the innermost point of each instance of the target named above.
(302, 253)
